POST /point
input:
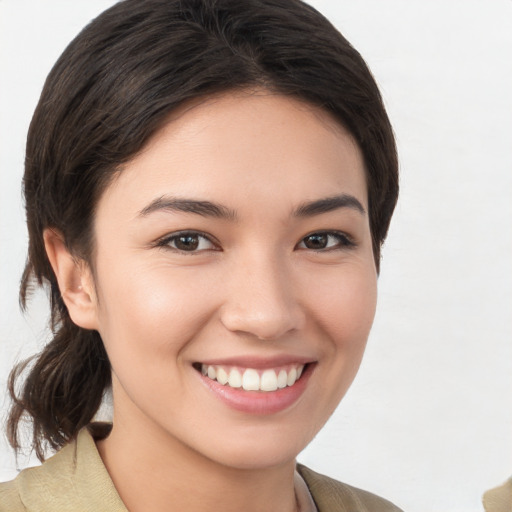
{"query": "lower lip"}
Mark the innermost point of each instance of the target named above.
(260, 402)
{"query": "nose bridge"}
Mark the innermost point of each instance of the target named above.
(261, 298)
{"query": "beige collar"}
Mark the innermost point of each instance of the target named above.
(304, 499)
(65, 481)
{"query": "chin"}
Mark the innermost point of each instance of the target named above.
(255, 458)
(258, 448)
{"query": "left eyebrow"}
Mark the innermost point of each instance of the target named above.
(329, 204)
(198, 207)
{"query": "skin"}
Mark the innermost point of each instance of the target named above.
(253, 288)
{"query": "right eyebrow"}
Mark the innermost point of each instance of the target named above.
(328, 204)
(198, 207)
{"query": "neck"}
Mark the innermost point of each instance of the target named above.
(154, 471)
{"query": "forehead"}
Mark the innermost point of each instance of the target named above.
(244, 148)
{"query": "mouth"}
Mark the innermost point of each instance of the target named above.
(256, 388)
(252, 379)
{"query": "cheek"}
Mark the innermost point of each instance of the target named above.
(345, 303)
(151, 313)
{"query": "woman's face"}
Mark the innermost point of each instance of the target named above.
(236, 244)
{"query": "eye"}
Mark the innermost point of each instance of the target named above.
(325, 241)
(187, 241)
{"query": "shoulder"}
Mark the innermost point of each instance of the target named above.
(10, 500)
(34, 487)
(332, 496)
(499, 499)
(73, 479)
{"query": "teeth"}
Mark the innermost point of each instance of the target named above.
(282, 379)
(235, 379)
(292, 376)
(222, 376)
(251, 379)
(268, 381)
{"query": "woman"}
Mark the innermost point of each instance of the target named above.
(208, 185)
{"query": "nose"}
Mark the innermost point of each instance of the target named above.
(262, 301)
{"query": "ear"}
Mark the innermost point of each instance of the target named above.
(75, 281)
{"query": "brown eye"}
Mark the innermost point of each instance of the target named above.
(187, 242)
(316, 241)
(325, 241)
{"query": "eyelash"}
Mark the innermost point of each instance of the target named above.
(343, 241)
(166, 241)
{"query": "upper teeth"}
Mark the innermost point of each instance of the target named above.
(254, 380)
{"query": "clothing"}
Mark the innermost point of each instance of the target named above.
(76, 480)
(333, 496)
(499, 499)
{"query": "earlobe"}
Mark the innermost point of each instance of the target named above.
(74, 279)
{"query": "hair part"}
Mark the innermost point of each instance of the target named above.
(109, 92)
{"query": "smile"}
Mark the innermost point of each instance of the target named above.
(257, 386)
(250, 379)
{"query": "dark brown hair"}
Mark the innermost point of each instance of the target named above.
(111, 89)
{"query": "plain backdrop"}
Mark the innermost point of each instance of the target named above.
(428, 421)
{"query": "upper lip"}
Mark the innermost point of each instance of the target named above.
(258, 362)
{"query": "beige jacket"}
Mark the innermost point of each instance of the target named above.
(499, 499)
(75, 480)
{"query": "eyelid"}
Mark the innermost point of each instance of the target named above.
(345, 240)
(164, 241)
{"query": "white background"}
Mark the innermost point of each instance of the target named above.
(428, 422)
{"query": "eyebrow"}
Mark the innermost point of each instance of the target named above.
(173, 204)
(329, 204)
(209, 209)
